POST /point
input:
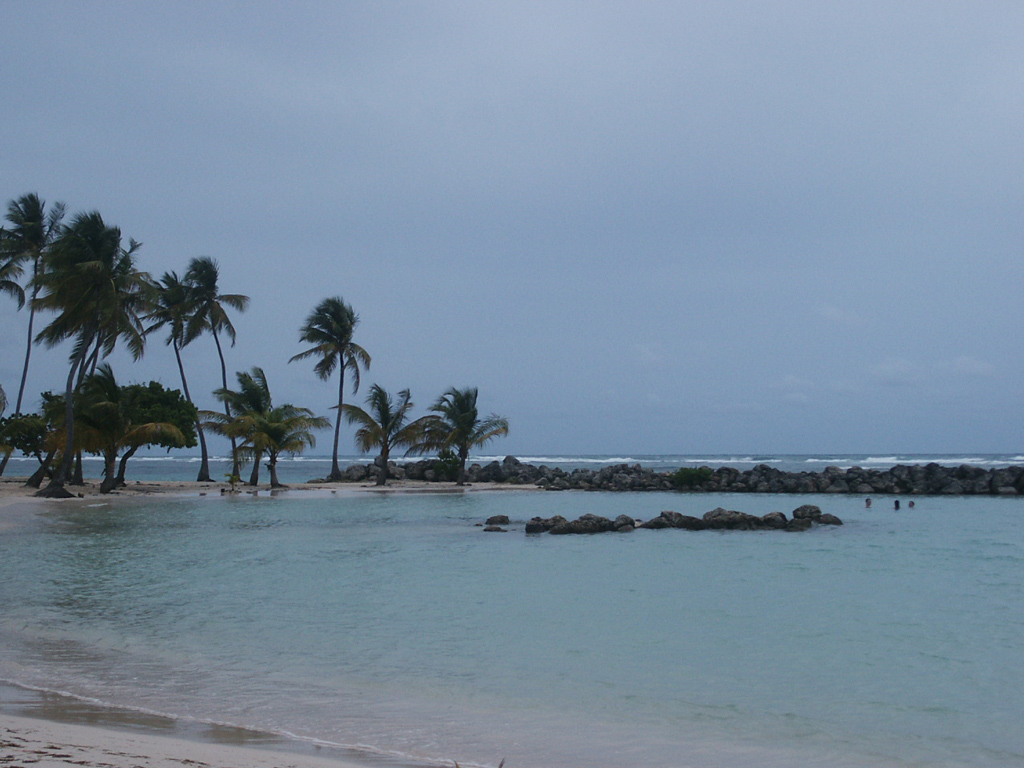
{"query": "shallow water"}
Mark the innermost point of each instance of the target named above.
(393, 623)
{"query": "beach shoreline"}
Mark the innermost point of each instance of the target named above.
(14, 491)
(49, 729)
(47, 742)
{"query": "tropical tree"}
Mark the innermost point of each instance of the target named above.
(262, 428)
(10, 271)
(25, 432)
(386, 425)
(173, 309)
(106, 424)
(455, 425)
(90, 281)
(329, 329)
(208, 314)
(32, 231)
(153, 404)
(251, 397)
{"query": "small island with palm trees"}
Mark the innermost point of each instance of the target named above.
(95, 297)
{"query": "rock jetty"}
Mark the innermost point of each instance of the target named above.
(804, 518)
(901, 479)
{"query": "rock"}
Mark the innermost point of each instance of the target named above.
(827, 519)
(498, 520)
(775, 520)
(807, 512)
(732, 520)
(585, 524)
(624, 520)
(494, 529)
(542, 525)
(354, 474)
(799, 524)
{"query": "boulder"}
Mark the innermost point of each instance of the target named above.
(624, 521)
(354, 474)
(827, 519)
(585, 524)
(807, 512)
(542, 525)
(498, 520)
(775, 520)
(494, 529)
(730, 519)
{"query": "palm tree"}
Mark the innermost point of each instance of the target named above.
(456, 425)
(105, 426)
(261, 427)
(173, 308)
(99, 296)
(10, 271)
(251, 397)
(329, 329)
(33, 230)
(385, 426)
(208, 313)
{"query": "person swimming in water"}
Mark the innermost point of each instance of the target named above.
(896, 505)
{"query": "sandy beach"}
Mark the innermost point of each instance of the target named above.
(13, 489)
(47, 744)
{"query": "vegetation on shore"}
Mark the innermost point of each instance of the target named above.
(89, 283)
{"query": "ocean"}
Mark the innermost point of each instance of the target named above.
(392, 625)
(158, 465)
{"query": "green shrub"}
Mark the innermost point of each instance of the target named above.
(690, 477)
(447, 465)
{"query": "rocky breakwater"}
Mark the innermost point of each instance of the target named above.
(931, 479)
(803, 518)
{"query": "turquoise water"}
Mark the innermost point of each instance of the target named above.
(393, 623)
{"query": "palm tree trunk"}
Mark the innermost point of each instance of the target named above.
(109, 472)
(28, 346)
(24, 371)
(122, 466)
(204, 464)
(336, 475)
(78, 478)
(227, 408)
(382, 475)
(44, 465)
(272, 465)
(55, 488)
(254, 476)
(463, 455)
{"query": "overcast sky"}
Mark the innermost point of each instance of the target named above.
(636, 227)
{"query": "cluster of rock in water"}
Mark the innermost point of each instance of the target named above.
(901, 479)
(803, 518)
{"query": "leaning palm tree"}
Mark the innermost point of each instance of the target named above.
(386, 425)
(105, 426)
(260, 427)
(455, 425)
(209, 314)
(329, 329)
(32, 231)
(90, 281)
(250, 399)
(172, 308)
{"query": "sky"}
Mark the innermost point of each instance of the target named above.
(644, 227)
